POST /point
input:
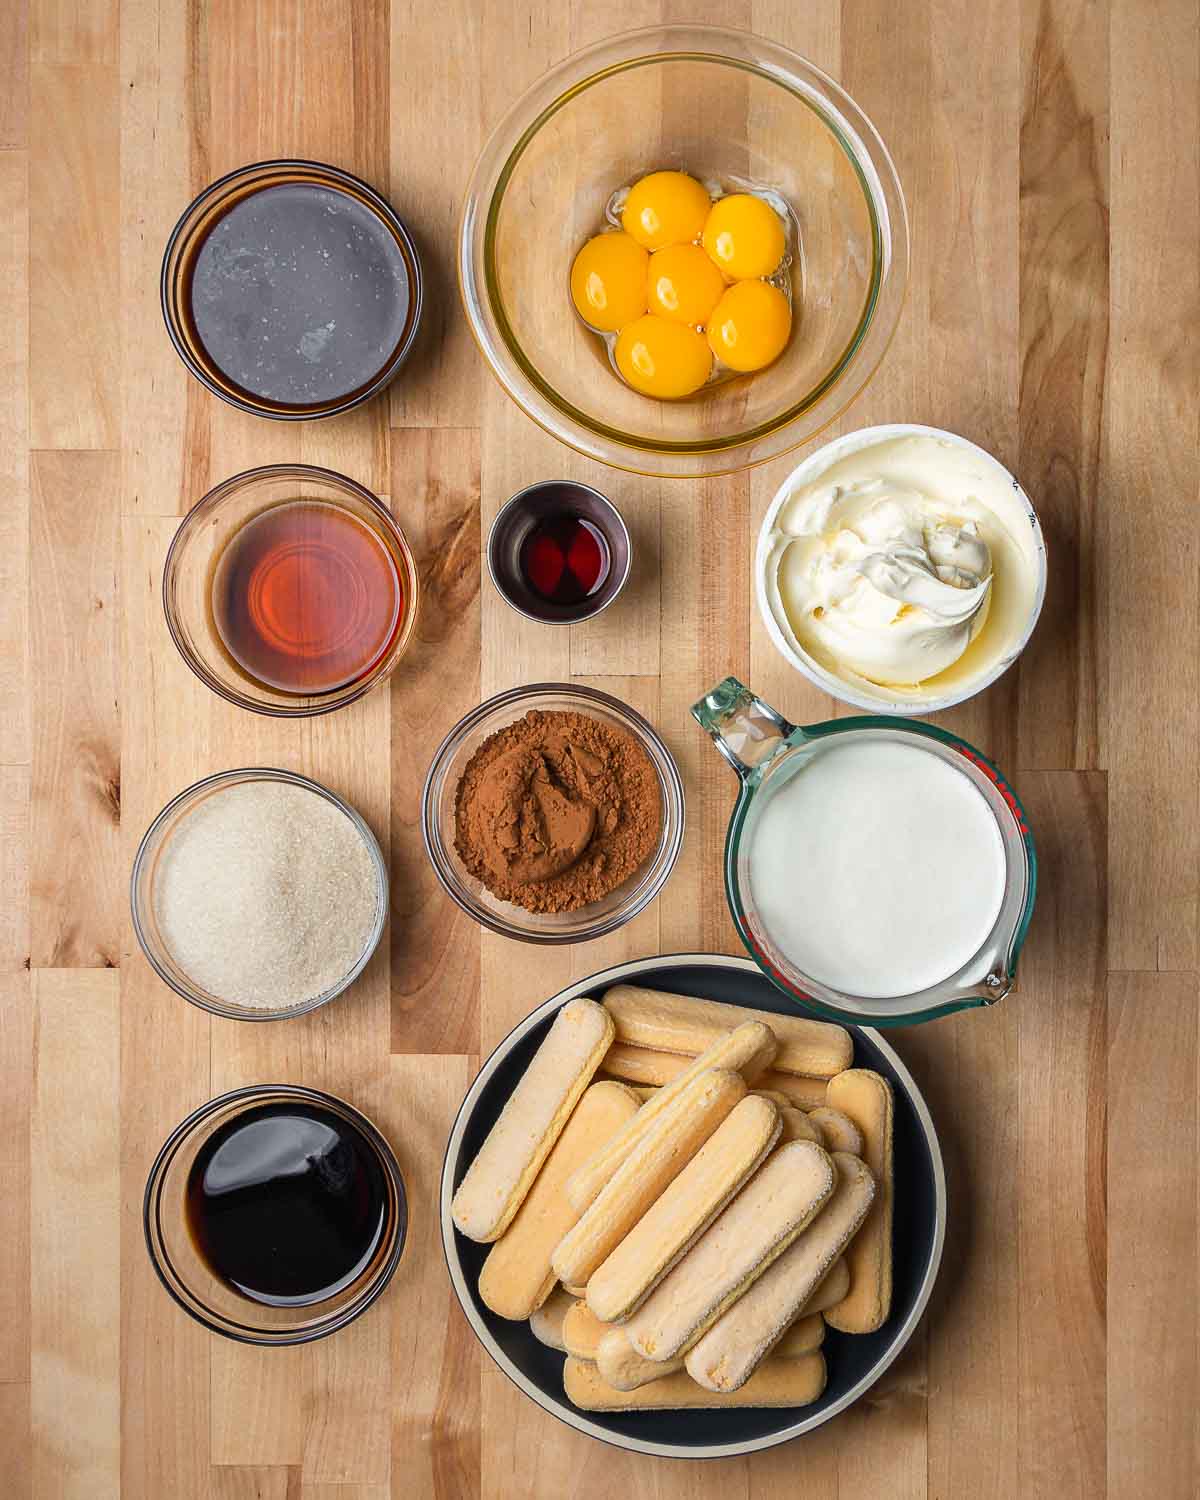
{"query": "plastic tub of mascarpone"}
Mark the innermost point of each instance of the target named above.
(901, 568)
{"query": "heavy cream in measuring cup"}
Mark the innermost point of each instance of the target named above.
(877, 868)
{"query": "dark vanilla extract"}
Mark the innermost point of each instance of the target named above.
(565, 559)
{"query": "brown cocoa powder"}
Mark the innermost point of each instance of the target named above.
(557, 810)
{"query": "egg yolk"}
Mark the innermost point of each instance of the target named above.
(745, 236)
(750, 325)
(665, 208)
(608, 281)
(662, 359)
(684, 285)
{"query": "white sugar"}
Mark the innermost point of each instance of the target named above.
(266, 895)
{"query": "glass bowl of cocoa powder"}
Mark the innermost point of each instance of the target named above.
(553, 813)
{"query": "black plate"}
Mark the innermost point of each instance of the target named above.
(855, 1361)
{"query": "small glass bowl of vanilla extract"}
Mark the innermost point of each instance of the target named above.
(290, 590)
(275, 1214)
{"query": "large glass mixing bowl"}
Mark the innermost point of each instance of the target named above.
(720, 104)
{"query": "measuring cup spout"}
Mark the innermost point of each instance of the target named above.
(747, 731)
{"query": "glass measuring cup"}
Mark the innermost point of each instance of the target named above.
(766, 751)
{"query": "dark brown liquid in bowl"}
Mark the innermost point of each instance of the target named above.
(287, 1203)
(300, 294)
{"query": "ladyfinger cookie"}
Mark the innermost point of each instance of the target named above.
(802, 1093)
(673, 1223)
(831, 1289)
(839, 1130)
(577, 1293)
(743, 1051)
(867, 1099)
(804, 1336)
(646, 1069)
(532, 1120)
(731, 1350)
(796, 1126)
(642, 1066)
(777, 1382)
(674, 1138)
(546, 1323)
(778, 1202)
(517, 1276)
(582, 1331)
(622, 1367)
(682, 1023)
(619, 1363)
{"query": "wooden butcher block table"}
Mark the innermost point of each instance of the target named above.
(1049, 153)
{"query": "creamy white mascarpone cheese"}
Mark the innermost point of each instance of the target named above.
(908, 567)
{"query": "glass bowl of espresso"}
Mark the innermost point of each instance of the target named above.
(275, 1214)
(291, 290)
(290, 590)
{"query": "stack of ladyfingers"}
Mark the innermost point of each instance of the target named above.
(681, 1195)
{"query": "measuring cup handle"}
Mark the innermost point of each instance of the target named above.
(747, 731)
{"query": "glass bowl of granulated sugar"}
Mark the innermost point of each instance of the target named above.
(258, 894)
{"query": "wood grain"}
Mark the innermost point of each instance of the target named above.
(74, 331)
(73, 31)
(1049, 151)
(14, 459)
(445, 384)
(1064, 347)
(75, 1241)
(1061, 1220)
(160, 460)
(76, 754)
(14, 77)
(1153, 1254)
(1152, 452)
(435, 1358)
(435, 947)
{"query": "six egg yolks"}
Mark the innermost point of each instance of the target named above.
(744, 236)
(750, 325)
(663, 359)
(608, 281)
(655, 263)
(684, 285)
(665, 208)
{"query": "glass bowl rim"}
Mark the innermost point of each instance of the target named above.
(164, 1157)
(872, 164)
(237, 776)
(215, 497)
(343, 180)
(671, 783)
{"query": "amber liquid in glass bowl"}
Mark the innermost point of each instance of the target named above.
(306, 598)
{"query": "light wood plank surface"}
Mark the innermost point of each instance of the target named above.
(1050, 151)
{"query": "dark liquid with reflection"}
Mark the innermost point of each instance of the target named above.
(306, 598)
(565, 559)
(287, 1204)
(300, 294)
